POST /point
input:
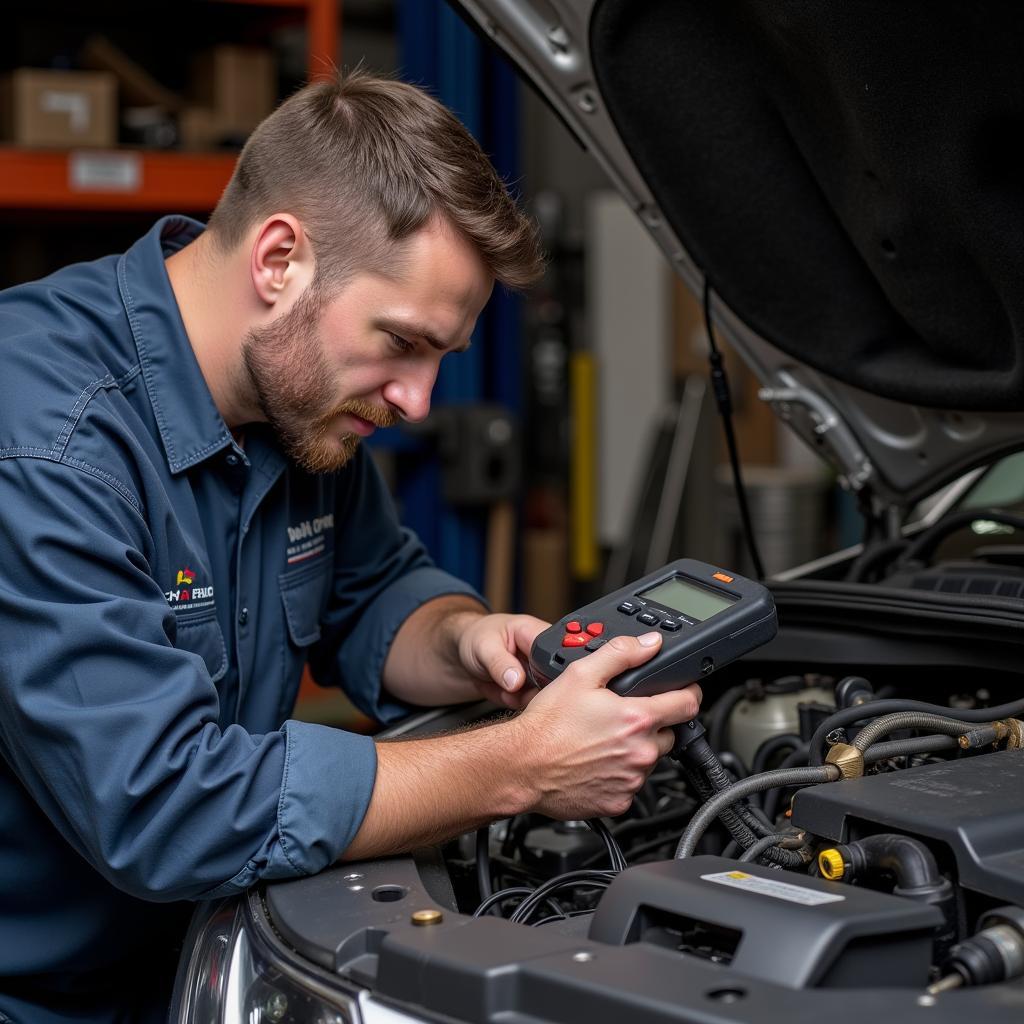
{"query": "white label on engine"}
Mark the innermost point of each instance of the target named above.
(767, 887)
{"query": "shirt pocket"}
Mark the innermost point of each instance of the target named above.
(200, 633)
(304, 596)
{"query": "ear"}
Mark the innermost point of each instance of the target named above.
(281, 262)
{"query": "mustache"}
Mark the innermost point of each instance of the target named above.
(379, 416)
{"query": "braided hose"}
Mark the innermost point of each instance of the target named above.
(911, 720)
(754, 784)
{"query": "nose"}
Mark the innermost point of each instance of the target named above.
(410, 392)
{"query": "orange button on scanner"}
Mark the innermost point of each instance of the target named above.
(595, 628)
(721, 576)
(575, 640)
(573, 627)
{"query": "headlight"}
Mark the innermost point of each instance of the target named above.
(233, 972)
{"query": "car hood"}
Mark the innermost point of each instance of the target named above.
(846, 177)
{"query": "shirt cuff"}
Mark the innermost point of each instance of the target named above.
(325, 791)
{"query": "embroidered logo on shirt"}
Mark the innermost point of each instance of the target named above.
(308, 538)
(188, 596)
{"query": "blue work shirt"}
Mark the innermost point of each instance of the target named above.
(161, 589)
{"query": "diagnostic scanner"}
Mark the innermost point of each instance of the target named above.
(707, 617)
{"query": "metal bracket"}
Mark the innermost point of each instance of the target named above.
(854, 466)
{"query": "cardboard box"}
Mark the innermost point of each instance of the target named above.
(59, 108)
(239, 84)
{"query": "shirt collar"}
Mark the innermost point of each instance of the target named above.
(191, 427)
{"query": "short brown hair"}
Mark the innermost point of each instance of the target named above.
(364, 162)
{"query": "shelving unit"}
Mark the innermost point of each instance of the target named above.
(141, 180)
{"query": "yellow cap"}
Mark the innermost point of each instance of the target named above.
(427, 917)
(830, 863)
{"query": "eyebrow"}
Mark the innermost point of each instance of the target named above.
(416, 331)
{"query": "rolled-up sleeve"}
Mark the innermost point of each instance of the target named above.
(382, 574)
(113, 730)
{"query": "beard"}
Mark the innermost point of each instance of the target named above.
(294, 389)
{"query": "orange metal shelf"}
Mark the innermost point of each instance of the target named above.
(156, 180)
(43, 179)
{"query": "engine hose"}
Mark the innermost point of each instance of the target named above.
(909, 720)
(795, 759)
(917, 877)
(763, 844)
(877, 708)
(483, 864)
(772, 746)
(755, 784)
(737, 824)
(719, 717)
(740, 833)
(902, 748)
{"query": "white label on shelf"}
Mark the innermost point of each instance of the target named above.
(105, 172)
(768, 887)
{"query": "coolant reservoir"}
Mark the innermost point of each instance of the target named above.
(753, 721)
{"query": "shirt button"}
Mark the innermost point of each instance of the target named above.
(232, 459)
(243, 616)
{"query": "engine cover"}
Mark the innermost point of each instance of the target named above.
(973, 807)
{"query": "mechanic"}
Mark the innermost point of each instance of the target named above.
(187, 519)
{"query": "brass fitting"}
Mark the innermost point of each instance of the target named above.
(831, 864)
(848, 759)
(1015, 736)
(426, 917)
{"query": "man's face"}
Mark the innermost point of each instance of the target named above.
(327, 373)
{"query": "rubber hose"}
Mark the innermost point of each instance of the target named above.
(763, 844)
(720, 715)
(909, 720)
(771, 746)
(877, 708)
(917, 876)
(797, 759)
(755, 784)
(901, 748)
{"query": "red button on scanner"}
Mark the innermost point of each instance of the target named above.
(575, 640)
(595, 628)
(573, 627)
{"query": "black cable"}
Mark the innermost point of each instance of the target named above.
(511, 893)
(483, 862)
(924, 544)
(723, 399)
(877, 708)
(499, 897)
(561, 917)
(571, 879)
(599, 828)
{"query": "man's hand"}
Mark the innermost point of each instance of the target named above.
(577, 750)
(450, 651)
(585, 749)
(494, 650)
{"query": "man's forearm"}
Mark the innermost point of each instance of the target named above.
(429, 790)
(423, 665)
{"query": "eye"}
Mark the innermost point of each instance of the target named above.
(401, 343)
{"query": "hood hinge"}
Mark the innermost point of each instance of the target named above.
(831, 432)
